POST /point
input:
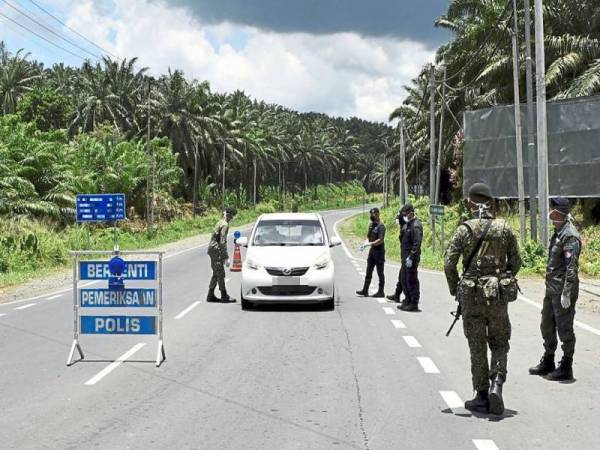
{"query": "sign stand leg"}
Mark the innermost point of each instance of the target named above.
(161, 356)
(75, 345)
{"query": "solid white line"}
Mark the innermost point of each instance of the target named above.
(54, 296)
(113, 365)
(427, 364)
(485, 444)
(187, 310)
(29, 305)
(389, 311)
(577, 323)
(452, 399)
(398, 324)
(411, 341)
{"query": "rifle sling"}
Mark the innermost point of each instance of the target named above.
(469, 260)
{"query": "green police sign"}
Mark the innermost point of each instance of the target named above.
(437, 210)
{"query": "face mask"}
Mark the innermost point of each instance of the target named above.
(406, 218)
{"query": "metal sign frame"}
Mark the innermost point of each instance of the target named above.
(77, 258)
(117, 213)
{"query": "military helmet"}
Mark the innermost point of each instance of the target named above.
(407, 208)
(480, 192)
(230, 211)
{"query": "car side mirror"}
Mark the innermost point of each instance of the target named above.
(335, 241)
(243, 241)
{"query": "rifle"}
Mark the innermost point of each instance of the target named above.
(466, 265)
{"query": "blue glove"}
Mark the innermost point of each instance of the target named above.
(409, 262)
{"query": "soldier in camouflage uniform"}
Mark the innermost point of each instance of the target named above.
(562, 290)
(219, 258)
(485, 289)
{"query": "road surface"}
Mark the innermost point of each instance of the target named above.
(363, 376)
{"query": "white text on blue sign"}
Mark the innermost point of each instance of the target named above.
(134, 270)
(107, 298)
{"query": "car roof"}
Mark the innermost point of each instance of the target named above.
(290, 216)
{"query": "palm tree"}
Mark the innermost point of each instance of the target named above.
(17, 76)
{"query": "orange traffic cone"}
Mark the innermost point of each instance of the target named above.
(237, 259)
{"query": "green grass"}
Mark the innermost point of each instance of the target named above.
(532, 253)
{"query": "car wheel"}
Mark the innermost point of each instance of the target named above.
(329, 305)
(246, 305)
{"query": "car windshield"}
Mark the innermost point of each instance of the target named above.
(288, 233)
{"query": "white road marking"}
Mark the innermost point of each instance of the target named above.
(389, 311)
(113, 365)
(227, 280)
(398, 324)
(2, 314)
(452, 399)
(485, 444)
(54, 296)
(187, 310)
(362, 274)
(29, 305)
(577, 323)
(411, 341)
(427, 364)
(381, 300)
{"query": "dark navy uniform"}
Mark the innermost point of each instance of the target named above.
(411, 237)
(376, 258)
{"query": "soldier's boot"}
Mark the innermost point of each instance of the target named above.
(379, 293)
(365, 290)
(393, 298)
(564, 371)
(495, 397)
(211, 297)
(545, 366)
(481, 402)
(225, 298)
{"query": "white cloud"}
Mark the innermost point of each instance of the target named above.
(340, 74)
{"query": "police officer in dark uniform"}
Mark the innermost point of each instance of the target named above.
(411, 237)
(376, 259)
(562, 290)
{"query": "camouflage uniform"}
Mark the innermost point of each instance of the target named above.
(484, 293)
(217, 250)
(561, 279)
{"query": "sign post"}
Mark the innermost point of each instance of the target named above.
(119, 296)
(436, 211)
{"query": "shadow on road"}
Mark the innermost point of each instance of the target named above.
(290, 307)
(461, 412)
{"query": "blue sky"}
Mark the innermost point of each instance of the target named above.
(341, 57)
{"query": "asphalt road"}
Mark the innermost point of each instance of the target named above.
(362, 376)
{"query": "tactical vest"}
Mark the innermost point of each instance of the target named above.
(491, 259)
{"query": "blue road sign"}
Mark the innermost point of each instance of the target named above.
(118, 324)
(134, 270)
(109, 298)
(100, 207)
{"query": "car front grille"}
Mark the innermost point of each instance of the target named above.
(286, 290)
(295, 271)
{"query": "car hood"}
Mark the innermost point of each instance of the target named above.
(286, 256)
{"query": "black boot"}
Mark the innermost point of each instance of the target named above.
(495, 397)
(393, 298)
(545, 366)
(379, 293)
(211, 297)
(364, 292)
(481, 403)
(225, 298)
(410, 307)
(564, 371)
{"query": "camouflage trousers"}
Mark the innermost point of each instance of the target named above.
(556, 319)
(486, 324)
(217, 265)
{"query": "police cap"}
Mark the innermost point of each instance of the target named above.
(407, 208)
(230, 211)
(561, 204)
(374, 211)
(480, 191)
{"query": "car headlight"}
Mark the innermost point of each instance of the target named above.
(322, 262)
(252, 264)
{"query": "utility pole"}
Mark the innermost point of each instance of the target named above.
(402, 169)
(150, 179)
(542, 124)
(255, 182)
(385, 179)
(195, 193)
(432, 135)
(438, 171)
(223, 144)
(518, 137)
(531, 148)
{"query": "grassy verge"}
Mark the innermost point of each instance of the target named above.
(534, 260)
(31, 249)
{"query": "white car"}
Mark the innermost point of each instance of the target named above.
(288, 260)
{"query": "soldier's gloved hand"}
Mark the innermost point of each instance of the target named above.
(227, 263)
(565, 301)
(409, 262)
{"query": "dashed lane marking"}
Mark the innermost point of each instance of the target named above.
(1, 315)
(389, 311)
(411, 341)
(381, 300)
(29, 305)
(113, 365)
(187, 310)
(452, 399)
(427, 364)
(485, 444)
(398, 324)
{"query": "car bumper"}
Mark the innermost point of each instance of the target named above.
(314, 287)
